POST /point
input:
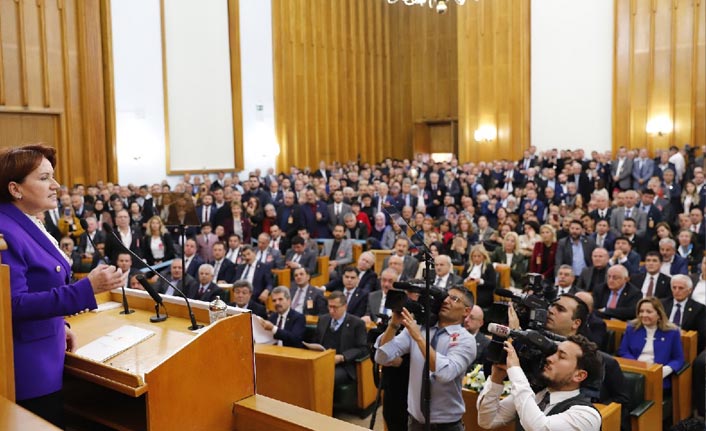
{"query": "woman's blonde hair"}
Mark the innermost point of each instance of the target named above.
(663, 323)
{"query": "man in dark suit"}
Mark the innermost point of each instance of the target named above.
(337, 210)
(207, 290)
(624, 255)
(306, 299)
(126, 237)
(85, 247)
(410, 264)
(617, 298)
(187, 284)
(289, 215)
(445, 278)
(242, 298)
(603, 236)
(287, 325)
(603, 209)
(368, 278)
(652, 282)
(576, 239)
(355, 229)
(299, 257)
(346, 334)
(193, 260)
(356, 298)
(315, 215)
(224, 268)
(51, 223)
(683, 311)
(376, 299)
(257, 273)
(594, 275)
(565, 280)
(206, 211)
(473, 322)
(670, 258)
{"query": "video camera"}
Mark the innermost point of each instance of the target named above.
(397, 299)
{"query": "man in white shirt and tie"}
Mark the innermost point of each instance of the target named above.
(445, 278)
(287, 325)
(565, 280)
(376, 299)
(306, 299)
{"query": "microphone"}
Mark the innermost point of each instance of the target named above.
(157, 298)
(84, 225)
(533, 337)
(194, 326)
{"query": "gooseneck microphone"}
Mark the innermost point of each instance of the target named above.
(157, 298)
(126, 308)
(194, 326)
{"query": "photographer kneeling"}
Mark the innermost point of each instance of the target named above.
(560, 406)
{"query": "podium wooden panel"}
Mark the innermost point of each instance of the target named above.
(300, 377)
(176, 379)
(261, 413)
(16, 418)
(7, 360)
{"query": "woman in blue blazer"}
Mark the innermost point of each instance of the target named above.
(652, 338)
(39, 280)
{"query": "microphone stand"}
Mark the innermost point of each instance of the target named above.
(194, 326)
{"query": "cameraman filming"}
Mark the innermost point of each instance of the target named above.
(560, 406)
(452, 349)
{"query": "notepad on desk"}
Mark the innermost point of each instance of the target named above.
(114, 343)
(105, 306)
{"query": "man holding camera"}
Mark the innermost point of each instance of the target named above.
(560, 406)
(452, 349)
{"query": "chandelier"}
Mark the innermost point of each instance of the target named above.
(441, 6)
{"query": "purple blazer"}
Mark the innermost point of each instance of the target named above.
(41, 296)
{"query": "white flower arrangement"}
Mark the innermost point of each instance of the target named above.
(475, 380)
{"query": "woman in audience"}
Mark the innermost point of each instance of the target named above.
(544, 253)
(459, 250)
(70, 225)
(690, 249)
(509, 254)
(380, 228)
(480, 269)
(465, 229)
(445, 234)
(428, 230)
(528, 239)
(157, 245)
(236, 223)
(269, 219)
(136, 220)
(689, 197)
(652, 338)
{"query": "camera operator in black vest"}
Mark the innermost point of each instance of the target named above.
(560, 406)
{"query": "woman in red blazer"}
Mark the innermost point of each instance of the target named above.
(544, 253)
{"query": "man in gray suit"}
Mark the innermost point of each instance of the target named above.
(410, 264)
(621, 170)
(337, 210)
(445, 278)
(630, 210)
(299, 257)
(376, 299)
(642, 169)
(339, 251)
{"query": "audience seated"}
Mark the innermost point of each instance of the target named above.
(287, 325)
(307, 299)
(242, 298)
(617, 298)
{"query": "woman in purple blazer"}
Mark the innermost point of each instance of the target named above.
(652, 338)
(39, 279)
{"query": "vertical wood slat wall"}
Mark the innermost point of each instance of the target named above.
(331, 101)
(660, 71)
(494, 77)
(52, 83)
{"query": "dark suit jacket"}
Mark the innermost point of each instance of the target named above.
(294, 327)
(564, 253)
(410, 266)
(99, 237)
(254, 306)
(212, 290)
(596, 216)
(679, 266)
(627, 302)
(314, 304)
(373, 308)
(591, 277)
(189, 287)
(357, 302)
(113, 247)
(51, 227)
(662, 288)
(596, 330)
(193, 268)
(633, 262)
(289, 219)
(353, 340)
(485, 290)
(608, 241)
(693, 318)
(169, 252)
(262, 279)
(226, 272)
(211, 215)
(307, 260)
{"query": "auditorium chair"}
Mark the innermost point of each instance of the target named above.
(357, 397)
(644, 383)
(321, 276)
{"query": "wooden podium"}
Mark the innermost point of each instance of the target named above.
(177, 379)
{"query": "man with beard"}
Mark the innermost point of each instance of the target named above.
(560, 406)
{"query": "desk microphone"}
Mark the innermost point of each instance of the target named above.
(126, 308)
(194, 326)
(157, 298)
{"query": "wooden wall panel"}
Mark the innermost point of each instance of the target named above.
(494, 77)
(658, 72)
(51, 83)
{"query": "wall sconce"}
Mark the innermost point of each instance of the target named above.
(485, 134)
(659, 126)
